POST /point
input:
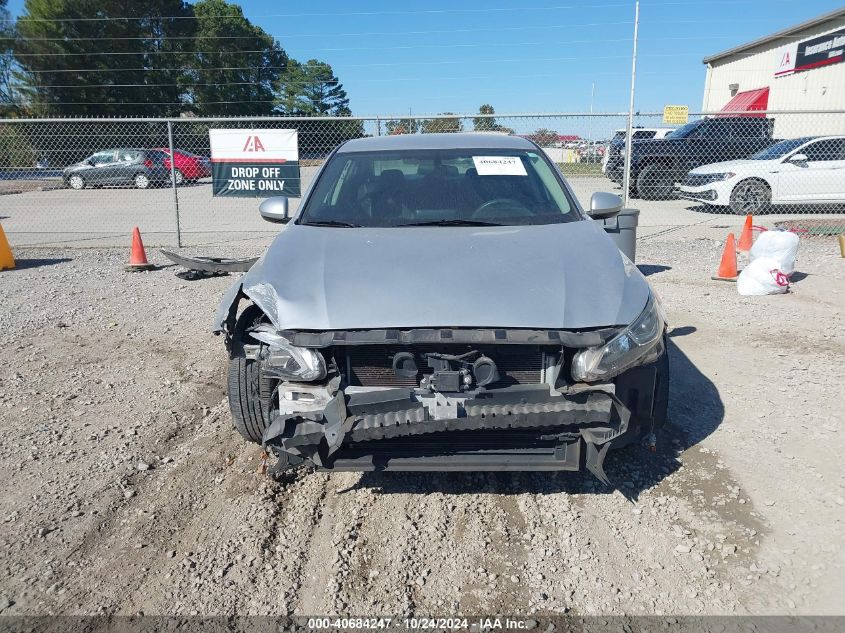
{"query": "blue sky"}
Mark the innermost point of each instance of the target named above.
(528, 56)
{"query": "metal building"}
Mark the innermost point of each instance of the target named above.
(799, 68)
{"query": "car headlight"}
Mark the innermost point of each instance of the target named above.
(726, 176)
(640, 343)
(287, 361)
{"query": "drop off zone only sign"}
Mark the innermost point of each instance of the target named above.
(255, 163)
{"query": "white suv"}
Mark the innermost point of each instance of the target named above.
(807, 170)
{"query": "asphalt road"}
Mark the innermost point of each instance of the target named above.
(106, 217)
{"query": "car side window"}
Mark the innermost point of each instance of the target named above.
(725, 129)
(128, 156)
(707, 128)
(824, 150)
(102, 158)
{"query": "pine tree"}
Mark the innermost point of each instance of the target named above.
(312, 89)
(127, 61)
(237, 65)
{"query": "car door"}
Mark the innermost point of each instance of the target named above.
(100, 164)
(126, 165)
(819, 178)
(702, 146)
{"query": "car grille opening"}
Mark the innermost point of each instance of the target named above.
(371, 365)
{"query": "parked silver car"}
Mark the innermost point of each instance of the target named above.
(442, 302)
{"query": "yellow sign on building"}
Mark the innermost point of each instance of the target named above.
(676, 114)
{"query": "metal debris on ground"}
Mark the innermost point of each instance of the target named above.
(199, 267)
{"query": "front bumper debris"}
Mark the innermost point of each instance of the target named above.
(528, 427)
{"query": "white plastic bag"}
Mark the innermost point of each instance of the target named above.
(762, 277)
(779, 245)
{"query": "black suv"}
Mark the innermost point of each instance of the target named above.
(122, 166)
(657, 164)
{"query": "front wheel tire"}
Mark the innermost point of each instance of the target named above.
(76, 182)
(249, 392)
(751, 196)
(141, 181)
(179, 177)
(655, 182)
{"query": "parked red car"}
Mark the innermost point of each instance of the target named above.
(189, 167)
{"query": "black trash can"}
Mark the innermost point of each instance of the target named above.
(622, 228)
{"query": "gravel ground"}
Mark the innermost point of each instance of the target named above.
(126, 490)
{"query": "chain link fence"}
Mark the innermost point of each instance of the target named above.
(90, 181)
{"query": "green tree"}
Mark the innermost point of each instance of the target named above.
(402, 126)
(450, 124)
(484, 124)
(488, 123)
(312, 89)
(236, 67)
(7, 93)
(130, 64)
(15, 148)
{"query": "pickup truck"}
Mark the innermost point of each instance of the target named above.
(616, 144)
(657, 164)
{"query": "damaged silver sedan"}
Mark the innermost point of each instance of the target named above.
(442, 302)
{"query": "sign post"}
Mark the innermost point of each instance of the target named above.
(173, 182)
(629, 139)
(255, 163)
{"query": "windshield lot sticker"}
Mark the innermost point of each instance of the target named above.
(499, 166)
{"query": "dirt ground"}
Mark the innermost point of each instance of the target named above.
(126, 490)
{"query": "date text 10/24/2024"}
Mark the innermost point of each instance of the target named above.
(421, 623)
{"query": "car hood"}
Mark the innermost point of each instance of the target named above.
(559, 276)
(729, 165)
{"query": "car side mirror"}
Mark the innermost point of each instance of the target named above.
(604, 205)
(275, 209)
(798, 158)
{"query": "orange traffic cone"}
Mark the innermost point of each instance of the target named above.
(727, 267)
(746, 239)
(7, 260)
(137, 256)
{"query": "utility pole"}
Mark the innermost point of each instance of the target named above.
(629, 141)
(591, 145)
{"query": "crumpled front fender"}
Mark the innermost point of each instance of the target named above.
(224, 318)
(250, 285)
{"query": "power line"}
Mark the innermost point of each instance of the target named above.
(99, 53)
(387, 79)
(336, 49)
(394, 33)
(149, 70)
(332, 14)
(184, 85)
(283, 82)
(363, 33)
(379, 64)
(375, 13)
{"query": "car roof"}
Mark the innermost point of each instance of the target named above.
(457, 140)
(801, 140)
